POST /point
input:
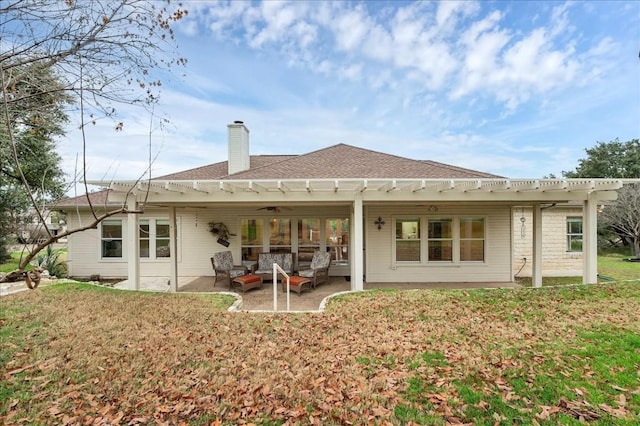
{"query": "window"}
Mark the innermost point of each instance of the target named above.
(471, 239)
(162, 238)
(143, 226)
(574, 233)
(280, 235)
(252, 237)
(308, 238)
(440, 240)
(303, 236)
(408, 240)
(154, 237)
(337, 238)
(111, 238)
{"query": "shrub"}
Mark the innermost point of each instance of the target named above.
(50, 260)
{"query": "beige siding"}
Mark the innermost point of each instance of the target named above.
(196, 244)
(556, 260)
(379, 243)
(84, 250)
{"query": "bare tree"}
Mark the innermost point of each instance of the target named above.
(623, 216)
(103, 53)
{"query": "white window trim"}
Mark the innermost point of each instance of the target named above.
(421, 224)
(568, 235)
(484, 239)
(454, 241)
(266, 247)
(122, 239)
(153, 220)
(424, 241)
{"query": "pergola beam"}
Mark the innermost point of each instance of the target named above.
(225, 187)
(560, 185)
(588, 185)
(495, 186)
(255, 187)
(532, 185)
(373, 189)
(420, 186)
(447, 185)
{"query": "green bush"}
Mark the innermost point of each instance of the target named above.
(50, 260)
(4, 253)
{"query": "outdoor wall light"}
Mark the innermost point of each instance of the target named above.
(379, 222)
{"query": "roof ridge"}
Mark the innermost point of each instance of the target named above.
(218, 163)
(291, 157)
(189, 170)
(454, 167)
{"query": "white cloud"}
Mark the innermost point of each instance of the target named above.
(306, 32)
(350, 28)
(379, 44)
(351, 72)
(514, 67)
(446, 16)
(278, 18)
(417, 47)
(457, 46)
(559, 22)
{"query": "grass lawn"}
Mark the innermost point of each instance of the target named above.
(75, 353)
(12, 264)
(610, 267)
(614, 266)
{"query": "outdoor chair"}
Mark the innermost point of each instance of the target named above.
(266, 261)
(318, 271)
(222, 263)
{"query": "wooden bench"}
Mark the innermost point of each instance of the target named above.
(247, 282)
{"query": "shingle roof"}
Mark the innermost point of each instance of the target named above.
(98, 199)
(461, 170)
(220, 170)
(340, 161)
(345, 161)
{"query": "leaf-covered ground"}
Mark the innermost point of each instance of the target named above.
(76, 354)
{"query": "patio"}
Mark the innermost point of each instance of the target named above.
(262, 299)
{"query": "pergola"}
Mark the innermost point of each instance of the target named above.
(358, 192)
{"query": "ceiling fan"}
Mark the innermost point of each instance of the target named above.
(274, 209)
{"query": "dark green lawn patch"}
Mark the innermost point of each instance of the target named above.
(550, 281)
(576, 367)
(12, 264)
(613, 265)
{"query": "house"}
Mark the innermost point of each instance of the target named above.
(562, 240)
(31, 229)
(384, 218)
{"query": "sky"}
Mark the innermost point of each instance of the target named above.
(518, 89)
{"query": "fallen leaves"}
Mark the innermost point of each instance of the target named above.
(131, 358)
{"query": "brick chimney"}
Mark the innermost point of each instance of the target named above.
(238, 141)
